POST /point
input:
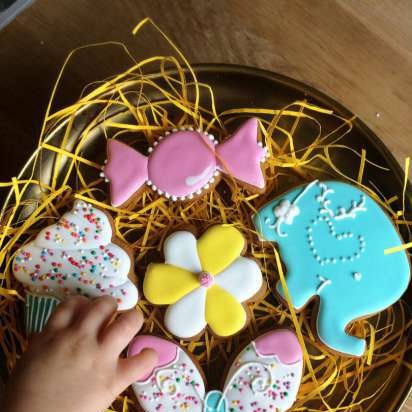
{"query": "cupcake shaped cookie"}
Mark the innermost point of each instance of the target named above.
(75, 256)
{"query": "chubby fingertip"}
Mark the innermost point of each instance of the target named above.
(144, 363)
(150, 356)
(107, 300)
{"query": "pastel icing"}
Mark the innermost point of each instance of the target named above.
(332, 237)
(265, 381)
(175, 384)
(133, 166)
(76, 256)
(204, 281)
(256, 381)
(165, 349)
(184, 163)
(215, 402)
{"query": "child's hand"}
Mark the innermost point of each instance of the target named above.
(74, 365)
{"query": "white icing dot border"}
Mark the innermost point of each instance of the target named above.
(206, 186)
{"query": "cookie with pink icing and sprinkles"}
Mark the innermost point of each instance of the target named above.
(75, 256)
(264, 377)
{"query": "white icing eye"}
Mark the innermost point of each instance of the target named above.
(357, 276)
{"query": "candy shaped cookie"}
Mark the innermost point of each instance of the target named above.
(204, 281)
(184, 163)
(265, 376)
(76, 255)
(332, 238)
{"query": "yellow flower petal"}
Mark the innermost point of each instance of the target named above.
(224, 314)
(165, 284)
(218, 247)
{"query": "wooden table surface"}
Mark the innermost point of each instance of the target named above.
(358, 52)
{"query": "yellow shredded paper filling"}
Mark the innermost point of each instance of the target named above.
(136, 106)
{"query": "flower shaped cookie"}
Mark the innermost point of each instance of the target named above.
(204, 281)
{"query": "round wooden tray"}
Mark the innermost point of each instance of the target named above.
(238, 86)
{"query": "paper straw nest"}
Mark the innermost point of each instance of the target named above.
(330, 382)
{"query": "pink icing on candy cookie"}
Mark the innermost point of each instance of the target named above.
(184, 163)
(133, 166)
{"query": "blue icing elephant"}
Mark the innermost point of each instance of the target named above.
(332, 238)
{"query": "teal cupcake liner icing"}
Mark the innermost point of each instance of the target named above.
(38, 311)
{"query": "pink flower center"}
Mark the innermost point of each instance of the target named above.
(206, 279)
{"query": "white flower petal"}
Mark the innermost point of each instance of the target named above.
(180, 249)
(242, 279)
(186, 318)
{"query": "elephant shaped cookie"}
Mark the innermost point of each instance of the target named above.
(332, 238)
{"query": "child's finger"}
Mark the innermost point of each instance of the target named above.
(96, 314)
(65, 312)
(121, 331)
(137, 366)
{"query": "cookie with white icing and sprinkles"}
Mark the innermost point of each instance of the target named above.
(265, 376)
(77, 255)
(334, 241)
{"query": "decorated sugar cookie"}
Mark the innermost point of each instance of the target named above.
(176, 383)
(204, 281)
(184, 163)
(76, 255)
(265, 376)
(332, 238)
